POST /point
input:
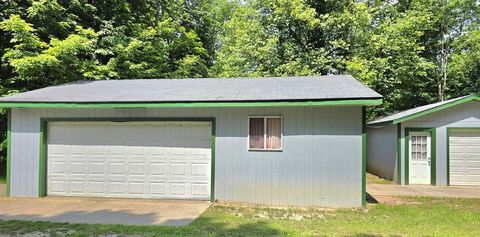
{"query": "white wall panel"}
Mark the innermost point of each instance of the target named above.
(382, 152)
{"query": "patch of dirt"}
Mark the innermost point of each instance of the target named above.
(395, 200)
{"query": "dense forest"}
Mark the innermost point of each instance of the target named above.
(411, 51)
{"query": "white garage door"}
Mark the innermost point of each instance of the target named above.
(169, 160)
(465, 157)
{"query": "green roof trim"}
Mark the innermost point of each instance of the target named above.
(469, 98)
(189, 104)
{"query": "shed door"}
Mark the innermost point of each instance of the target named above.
(129, 159)
(465, 157)
(419, 158)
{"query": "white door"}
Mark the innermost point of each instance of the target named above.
(419, 158)
(465, 157)
(169, 160)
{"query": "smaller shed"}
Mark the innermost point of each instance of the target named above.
(437, 144)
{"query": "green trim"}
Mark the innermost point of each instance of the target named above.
(9, 150)
(43, 142)
(42, 173)
(190, 104)
(364, 157)
(449, 130)
(433, 152)
(399, 153)
(429, 111)
(213, 149)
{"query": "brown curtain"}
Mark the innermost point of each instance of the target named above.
(256, 133)
(274, 133)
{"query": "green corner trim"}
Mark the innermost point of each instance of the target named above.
(190, 104)
(9, 149)
(428, 111)
(43, 142)
(449, 130)
(42, 173)
(399, 153)
(364, 156)
(433, 152)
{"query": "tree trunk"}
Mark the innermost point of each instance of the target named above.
(443, 65)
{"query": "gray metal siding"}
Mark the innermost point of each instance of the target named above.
(320, 164)
(382, 152)
(463, 115)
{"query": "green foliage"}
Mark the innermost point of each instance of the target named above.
(413, 52)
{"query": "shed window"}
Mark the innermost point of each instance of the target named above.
(265, 133)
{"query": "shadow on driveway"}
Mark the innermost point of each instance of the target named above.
(102, 210)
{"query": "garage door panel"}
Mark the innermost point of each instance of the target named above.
(139, 159)
(199, 189)
(78, 168)
(117, 168)
(464, 157)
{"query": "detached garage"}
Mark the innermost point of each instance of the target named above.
(435, 144)
(296, 141)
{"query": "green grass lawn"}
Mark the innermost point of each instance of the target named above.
(417, 217)
(373, 179)
(2, 173)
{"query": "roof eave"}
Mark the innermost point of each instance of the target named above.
(359, 102)
(425, 112)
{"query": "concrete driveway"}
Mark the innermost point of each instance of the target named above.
(102, 210)
(380, 191)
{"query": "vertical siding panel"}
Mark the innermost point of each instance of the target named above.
(318, 151)
(23, 154)
(345, 113)
(330, 151)
(14, 184)
(309, 123)
(220, 156)
(300, 155)
(228, 156)
(290, 143)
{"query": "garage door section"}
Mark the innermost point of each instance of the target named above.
(170, 160)
(465, 157)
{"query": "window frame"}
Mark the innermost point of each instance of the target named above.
(265, 117)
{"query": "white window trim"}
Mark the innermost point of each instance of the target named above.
(265, 134)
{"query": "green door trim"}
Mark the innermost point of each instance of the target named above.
(399, 153)
(433, 152)
(43, 142)
(9, 150)
(449, 130)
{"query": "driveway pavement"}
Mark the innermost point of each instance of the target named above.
(102, 210)
(3, 189)
(379, 191)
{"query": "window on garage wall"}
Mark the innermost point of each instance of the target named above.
(265, 133)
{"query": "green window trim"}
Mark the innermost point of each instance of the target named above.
(449, 131)
(190, 104)
(9, 151)
(43, 142)
(433, 152)
(364, 156)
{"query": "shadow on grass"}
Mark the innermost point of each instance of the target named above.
(205, 227)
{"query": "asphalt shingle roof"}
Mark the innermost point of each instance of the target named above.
(202, 90)
(417, 110)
